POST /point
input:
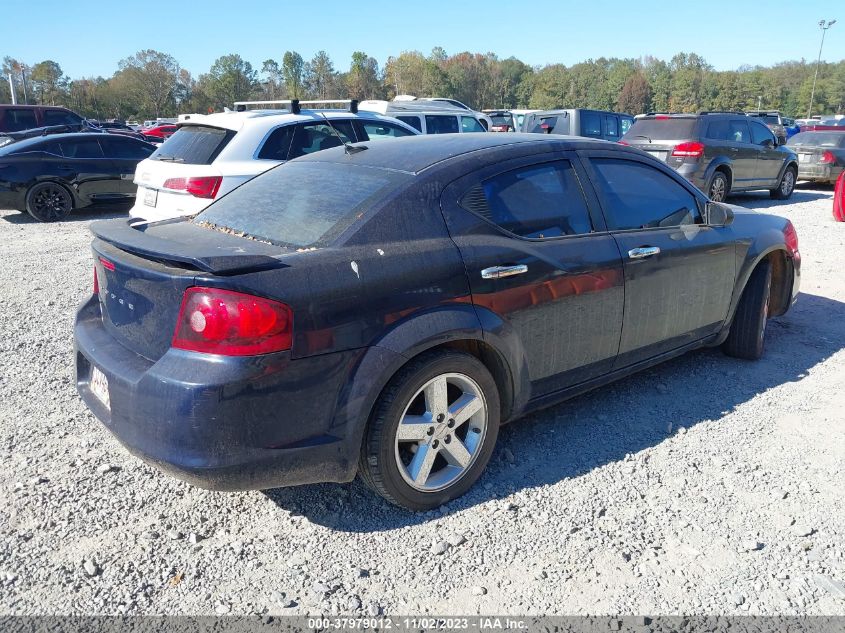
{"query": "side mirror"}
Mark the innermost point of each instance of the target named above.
(781, 140)
(718, 214)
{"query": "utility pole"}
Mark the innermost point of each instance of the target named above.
(824, 26)
(759, 102)
(12, 89)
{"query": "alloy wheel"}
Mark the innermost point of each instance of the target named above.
(717, 189)
(50, 202)
(441, 432)
(787, 183)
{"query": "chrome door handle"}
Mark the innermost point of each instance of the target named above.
(643, 251)
(498, 272)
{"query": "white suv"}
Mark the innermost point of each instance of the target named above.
(210, 155)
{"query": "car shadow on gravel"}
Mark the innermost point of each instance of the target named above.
(603, 426)
(762, 200)
(87, 214)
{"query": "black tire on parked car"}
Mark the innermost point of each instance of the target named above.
(748, 329)
(48, 202)
(719, 187)
(432, 431)
(786, 185)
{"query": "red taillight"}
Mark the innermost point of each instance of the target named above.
(96, 283)
(691, 149)
(661, 117)
(106, 263)
(622, 142)
(232, 323)
(828, 158)
(790, 237)
(197, 186)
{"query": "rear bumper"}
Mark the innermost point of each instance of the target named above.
(168, 205)
(222, 423)
(820, 173)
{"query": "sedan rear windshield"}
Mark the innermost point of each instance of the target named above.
(768, 119)
(818, 139)
(669, 129)
(194, 145)
(301, 205)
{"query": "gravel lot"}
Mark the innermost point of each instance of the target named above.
(707, 485)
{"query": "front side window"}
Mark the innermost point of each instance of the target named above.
(540, 201)
(82, 148)
(126, 148)
(441, 124)
(471, 124)
(315, 137)
(591, 124)
(738, 132)
(760, 133)
(377, 130)
(627, 122)
(638, 196)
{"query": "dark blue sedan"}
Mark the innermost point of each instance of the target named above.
(380, 310)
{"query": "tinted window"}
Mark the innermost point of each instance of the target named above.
(320, 201)
(81, 148)
(821, 139)
(314, 137)
(760, 133)
(277, 145)
(539, 201)
(590, 123)
(670, 128)
(550, 125)
(738, 132)
(611, 126)
(375, 130)
(17, 119)
(129, 148)
(471, 124)
(61, 117)
(502, 119)
(413, 121)
(627, 122)
(638, 196)
(194, 145)
(440, 124)
(719, 130)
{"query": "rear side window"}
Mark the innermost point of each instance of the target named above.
(471, 124)
(194, 145)
(314, 137)
(61, 117)
(126, 148)
(738, 132)
(439, 124)
(540, 201)
(611, 125)
(277, 145)
(719, 130)
(320, 201)
(81, 148)
(413, 121)
(17, 119)
(377, 130)
(638, 196)
(668, 129)
(590, 124)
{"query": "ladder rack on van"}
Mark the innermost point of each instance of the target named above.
(295, 105)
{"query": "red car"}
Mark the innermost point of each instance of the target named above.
(839, 199)
(159, 133)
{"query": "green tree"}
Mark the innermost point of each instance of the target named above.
(48, 82)
(320, 77)
(635, 96)
(362, 80)
(230, 79)
(292, 70)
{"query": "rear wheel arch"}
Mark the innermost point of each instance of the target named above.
(782, 280)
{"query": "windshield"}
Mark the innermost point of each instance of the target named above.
(669, 129)
(301, 204)
(819, 139)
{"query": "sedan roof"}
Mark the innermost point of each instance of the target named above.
(413, 154)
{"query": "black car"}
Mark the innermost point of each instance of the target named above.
(49, 176)
(821, 155)
(382, 310)
(718, 152)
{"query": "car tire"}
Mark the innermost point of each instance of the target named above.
(719, 187)
(48, 202)
(424, 398)
(748, 329)
(786, 185)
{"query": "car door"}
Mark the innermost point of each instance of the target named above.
(743, 154)
(679, 273)
(537, 262)
(125, 154)
(769, 159)
(87, 169)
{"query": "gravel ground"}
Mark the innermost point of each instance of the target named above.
(707, 485)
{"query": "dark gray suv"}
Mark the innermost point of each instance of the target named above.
(718, 152)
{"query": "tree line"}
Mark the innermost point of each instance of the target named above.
(151, 83)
